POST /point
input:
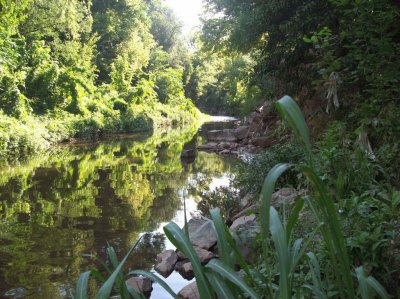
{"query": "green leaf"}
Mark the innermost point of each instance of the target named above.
(222, 241)
(293, 218)
(218, 267)
(156, 279)
(182, 243)
(283, 254)
(135, 294)
(294, 116)
(106, 288)
(369, 285)
(317, 287)
(265, 197)
(82, 285)
(219, 285)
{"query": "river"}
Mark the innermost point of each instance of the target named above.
(62, 206)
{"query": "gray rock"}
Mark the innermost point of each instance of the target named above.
(211, 146)
(245, 200)
(286, 196)
(263, 141)
(222, 135)
(190, 291)
(181, 255)
(201, 233)
(243, 220)
(225, 152)
(247, 211)
(186, 271)
(166, 261)
(203, 255)
(142, 285)
(241, 132)
(16, 293)
(179, 265)
(246, 234)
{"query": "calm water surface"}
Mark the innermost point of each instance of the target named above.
(59, 207)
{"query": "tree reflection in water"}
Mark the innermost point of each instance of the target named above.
(57, 207)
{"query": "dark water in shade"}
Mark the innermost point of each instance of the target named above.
(60, 206)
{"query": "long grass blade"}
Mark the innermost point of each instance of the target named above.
(219, 285)
(282, 251)
(265, 197)
(218, 267)
(333, 234)
(293, 218)
(222, 241)
(369, 285)
(294, 116)
(106, 288)
(317, 287)
(82, 286)
(156, 279)
(181, 242)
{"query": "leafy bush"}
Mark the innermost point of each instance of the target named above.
(250, 176)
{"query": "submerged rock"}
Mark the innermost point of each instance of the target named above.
(166, 261)
(190, 291)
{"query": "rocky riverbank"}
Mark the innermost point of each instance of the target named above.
(253, 134)
(203, 238)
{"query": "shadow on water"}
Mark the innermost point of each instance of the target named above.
(60, 206)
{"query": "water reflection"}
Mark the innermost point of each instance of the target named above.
(71, 201)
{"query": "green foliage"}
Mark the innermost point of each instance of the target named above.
(281, 251)
(85, 62)
(222, 84)
(250, 176)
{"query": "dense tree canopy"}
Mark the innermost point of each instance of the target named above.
(91, 66)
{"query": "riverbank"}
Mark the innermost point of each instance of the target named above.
(251, 135)
(68, 202)
(20, 137)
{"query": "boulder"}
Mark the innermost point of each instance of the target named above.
(186, 271)
(179, 264)
(266, 109)
(190, 291)
(245, 200)
(246, 231)
(142, 285)
(166, 261)
(263, 141)
(243, 220)
(221, 135)
(241, 132)
(250, 210)
(225, 152)
(286, 196)
(203, 255)
(201, 233)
